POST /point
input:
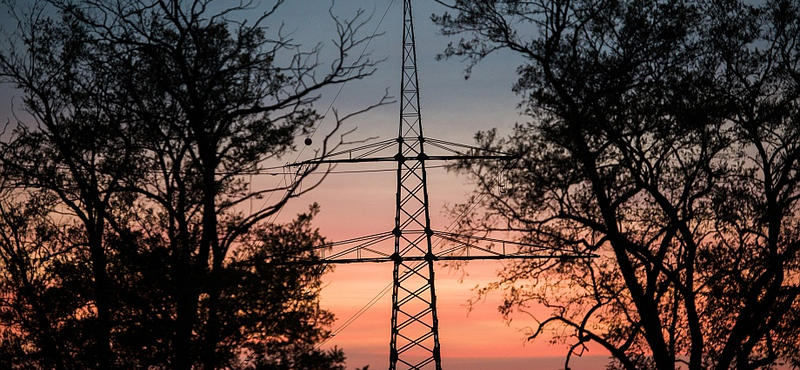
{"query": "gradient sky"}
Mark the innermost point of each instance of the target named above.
(352, 205)
(452, 109)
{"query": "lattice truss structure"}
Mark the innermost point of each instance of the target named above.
(414, 343)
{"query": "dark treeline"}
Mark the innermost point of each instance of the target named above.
(664, 136)
(123, 244)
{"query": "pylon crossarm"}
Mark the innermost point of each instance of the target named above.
(361, 249)
(382, 152)
(356, 249)
(468, 248)
(465, 150)
(366, 238)
(396, 158)
(357, 154)
(462, 248)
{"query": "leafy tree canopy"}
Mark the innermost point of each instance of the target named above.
(123, 240)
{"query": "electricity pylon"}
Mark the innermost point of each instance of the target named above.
(414, 343)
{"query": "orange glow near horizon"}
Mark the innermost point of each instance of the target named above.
(474, 337)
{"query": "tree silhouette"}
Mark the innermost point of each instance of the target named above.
(663, 136)
(122, 208)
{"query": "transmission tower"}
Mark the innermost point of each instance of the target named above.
(415, 324)
(414, 343)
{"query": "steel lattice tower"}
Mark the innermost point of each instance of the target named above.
(414, 343)
(415, 325)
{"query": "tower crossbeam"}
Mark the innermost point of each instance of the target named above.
(414, 340)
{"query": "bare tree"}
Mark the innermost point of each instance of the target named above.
(663, 136)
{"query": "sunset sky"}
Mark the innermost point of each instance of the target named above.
(356, 204)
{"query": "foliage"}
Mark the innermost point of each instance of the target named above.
(124, 244)
(663, 136)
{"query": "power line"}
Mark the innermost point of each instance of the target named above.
(341, 87)
(316, 127)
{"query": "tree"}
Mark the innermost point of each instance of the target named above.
(663, 136)
(146, 116)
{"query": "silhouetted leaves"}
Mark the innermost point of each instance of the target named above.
(663, 136)
(123, 240)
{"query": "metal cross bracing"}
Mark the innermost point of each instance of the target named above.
(414, 342)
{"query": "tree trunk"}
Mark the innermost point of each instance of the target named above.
(102, 293)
